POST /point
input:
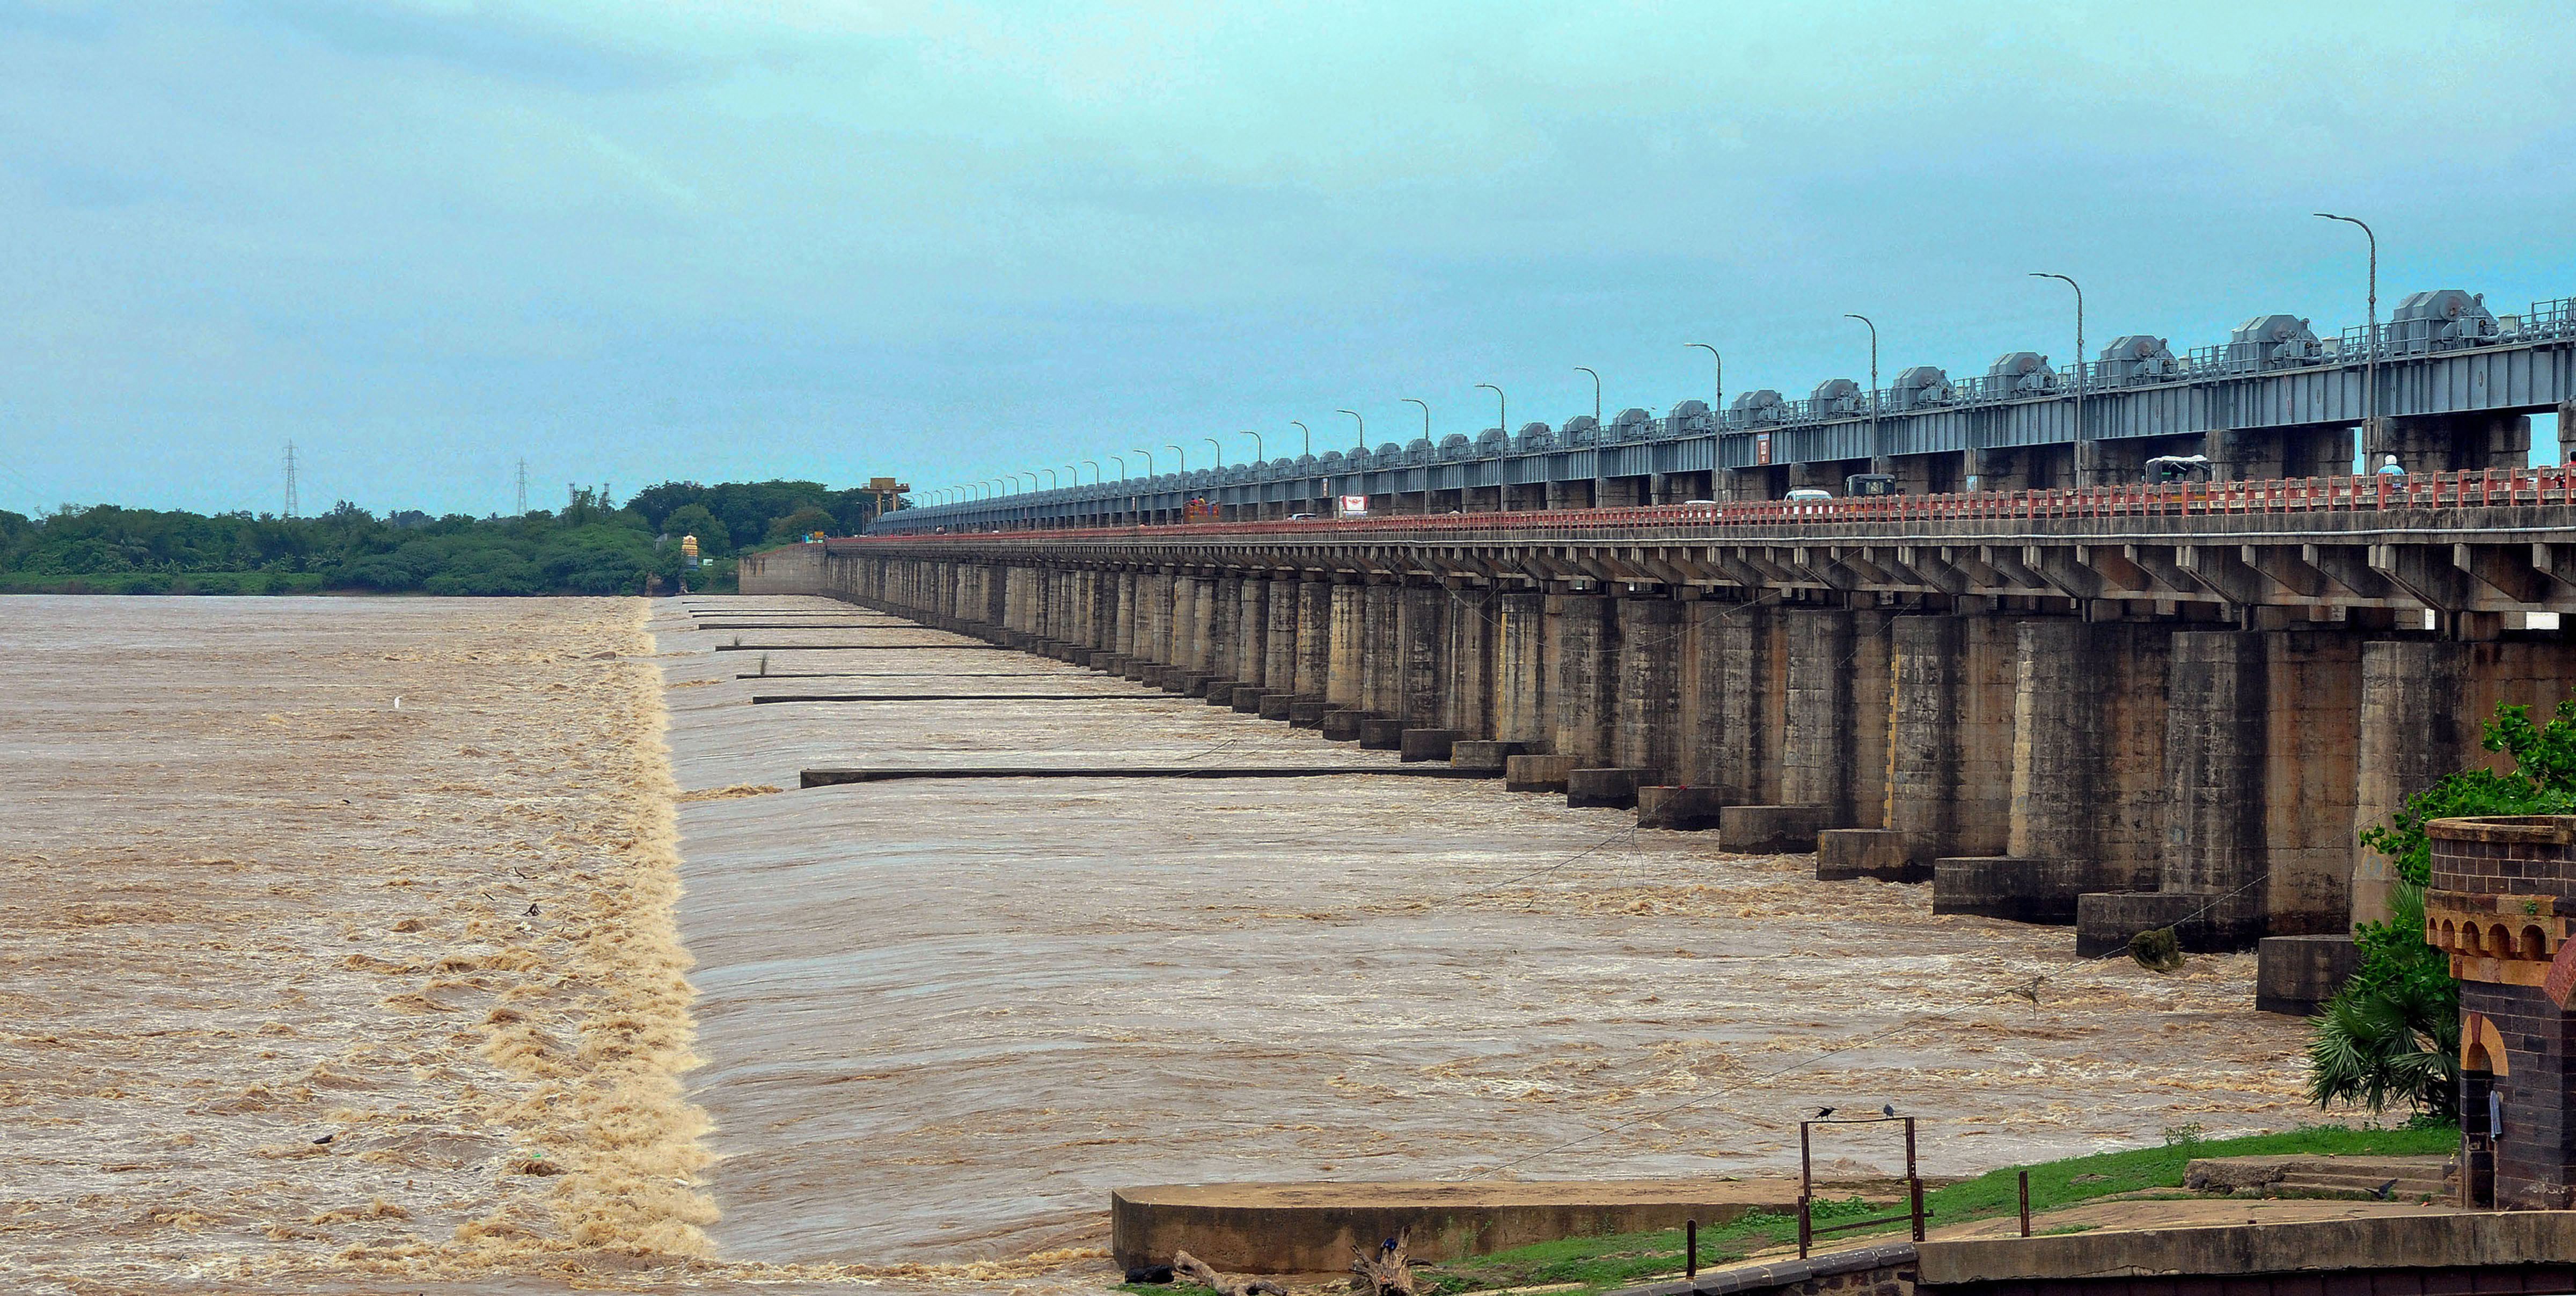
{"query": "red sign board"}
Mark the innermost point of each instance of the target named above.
(1762, 447)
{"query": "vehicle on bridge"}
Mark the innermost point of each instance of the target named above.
(1865, 485)
(2169, 470)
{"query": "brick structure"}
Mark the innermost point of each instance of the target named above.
(2503, 889)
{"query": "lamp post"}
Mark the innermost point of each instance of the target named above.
(1596, 393)
(1033, 479)
(2080, 439)
(1072, 475)
(1095, 472)
(1502, 408)
(1218, 449)
(1149, 463)
(1426, 413)
(1182, 457)
(1873, 382)
(1121, 461)
(1355, 414)
(1260, 452)
(2370, 358)
(1309, 442)
(1717, 392)
(1050, 475)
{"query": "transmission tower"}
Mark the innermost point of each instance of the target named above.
(291, 508)
(523, 488)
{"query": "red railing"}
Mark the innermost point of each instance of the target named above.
(2493, 487)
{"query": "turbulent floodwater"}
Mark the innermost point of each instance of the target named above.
(248, 903)
(944, 1019)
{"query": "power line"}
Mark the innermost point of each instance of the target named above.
(291, 507)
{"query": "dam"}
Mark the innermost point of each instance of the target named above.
(2115, 709)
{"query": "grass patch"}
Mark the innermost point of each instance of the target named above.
(1602, 1263)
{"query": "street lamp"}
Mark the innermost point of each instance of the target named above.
(1033, 479)
(1309, 451)
(1181, 457)
(1363, 428)
(1502, 408)
(1426, 414)
(1050, 474)
(1149, 463)
(2370, 358)
(1596, 392)
(1095, 472)
(2080, 438)
(1121, 461)
(1717, 393)
(1873, 382)
(1220, 450)
(1259, 451)
(1072, 475)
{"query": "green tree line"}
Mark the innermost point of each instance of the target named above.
(591, 546)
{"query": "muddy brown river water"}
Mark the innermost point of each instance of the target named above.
(934, 1022)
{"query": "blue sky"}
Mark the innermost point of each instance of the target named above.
(631, 241)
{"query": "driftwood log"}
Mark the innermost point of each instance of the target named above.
(1388, 1272)
(1196, 1270)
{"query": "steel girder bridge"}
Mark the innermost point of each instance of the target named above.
(2454, 386)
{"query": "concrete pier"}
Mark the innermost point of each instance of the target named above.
(2118, 737)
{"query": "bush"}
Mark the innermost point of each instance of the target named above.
(2392, 1034)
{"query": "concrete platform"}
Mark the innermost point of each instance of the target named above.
(909, 647)
(814, 778)
(1537, 773)
(2002, 886)
(1769, 829)
(1426, 744)
(1607, 787)
(1247, 699)
(1848, 854)
(2297, 974)
(1340, 725)
(1683, 809)
(1274, 706)
(1314, 1227)
(1308, 713)
(1487, 754)
(765, 699)
(1381, 734)
(2105, 921)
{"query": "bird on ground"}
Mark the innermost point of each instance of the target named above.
(2384, 1191)
(532, 911)
(1888, 1111)
(328, 1137)
(1823, 1112)
(2030, 992)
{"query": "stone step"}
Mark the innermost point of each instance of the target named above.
(2356, 1178)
